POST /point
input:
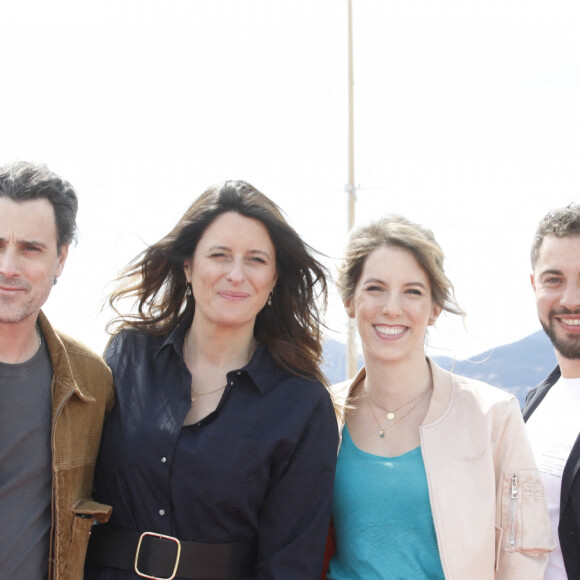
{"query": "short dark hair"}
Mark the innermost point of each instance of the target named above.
(291, 327)
(563, 222)
(25, 181)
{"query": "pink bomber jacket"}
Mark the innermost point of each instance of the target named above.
(486, 495)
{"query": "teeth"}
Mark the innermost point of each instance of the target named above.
(571, 321)
(390, 329)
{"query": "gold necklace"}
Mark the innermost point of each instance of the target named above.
(195, 395)
(393, 423)
(391, 412)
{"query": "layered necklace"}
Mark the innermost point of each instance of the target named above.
(392, 416)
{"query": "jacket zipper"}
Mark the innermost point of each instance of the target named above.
(513, 509)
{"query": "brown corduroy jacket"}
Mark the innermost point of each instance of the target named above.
(82, 392)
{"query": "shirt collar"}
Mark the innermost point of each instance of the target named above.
(175, 338)
(262, 369)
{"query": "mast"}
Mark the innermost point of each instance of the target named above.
(351, 364)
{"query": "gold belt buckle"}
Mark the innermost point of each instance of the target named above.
(171, 538)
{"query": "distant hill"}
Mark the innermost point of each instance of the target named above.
(515, 367)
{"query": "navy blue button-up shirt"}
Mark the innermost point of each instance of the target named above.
(260, 467)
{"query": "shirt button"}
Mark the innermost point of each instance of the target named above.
(163, 459)
(161, 512)
(239, 373)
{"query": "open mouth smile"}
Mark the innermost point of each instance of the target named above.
(569, 324)
(390, 331)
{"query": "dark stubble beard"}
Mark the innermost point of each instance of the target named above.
(569, 346)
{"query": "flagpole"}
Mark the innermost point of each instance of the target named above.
(351, 362)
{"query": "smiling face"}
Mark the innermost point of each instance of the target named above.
(392, 306)
(29, 259)
(232, 271)
(556, 283)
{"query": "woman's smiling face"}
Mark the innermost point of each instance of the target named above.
(232, 271)
(392, 305)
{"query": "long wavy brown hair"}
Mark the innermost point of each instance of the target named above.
(290, 328)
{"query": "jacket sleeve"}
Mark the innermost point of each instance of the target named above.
(523, 528)
(296, 513)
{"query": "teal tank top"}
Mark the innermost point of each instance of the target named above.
(382, 517)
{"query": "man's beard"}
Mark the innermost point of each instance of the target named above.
(568, 346)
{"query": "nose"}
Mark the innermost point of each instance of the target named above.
(571, 296)
(235, 274)
(392, 304)
(8, 263)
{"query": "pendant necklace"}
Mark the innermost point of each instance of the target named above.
(391, 413)
(392, 419)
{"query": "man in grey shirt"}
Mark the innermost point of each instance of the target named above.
(54, 392)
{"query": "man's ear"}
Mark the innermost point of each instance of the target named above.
(60, 260)
(533, 281)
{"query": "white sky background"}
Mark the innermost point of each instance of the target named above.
(467, 119)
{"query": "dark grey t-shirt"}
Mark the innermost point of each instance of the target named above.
(25, 467)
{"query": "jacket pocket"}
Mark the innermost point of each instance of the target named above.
(90, 509)
(85, 512)
(525, 522)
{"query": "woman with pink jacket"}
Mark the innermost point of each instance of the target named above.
(435, 476)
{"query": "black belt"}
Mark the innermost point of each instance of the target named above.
(153, 555)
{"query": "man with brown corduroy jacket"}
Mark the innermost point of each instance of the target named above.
(54, 392)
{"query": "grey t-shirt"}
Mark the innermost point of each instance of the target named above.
(25, 467)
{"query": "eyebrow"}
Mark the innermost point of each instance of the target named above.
(379, 281)
(551, 271)
(35, 243)
(26, 243)
(228, 249)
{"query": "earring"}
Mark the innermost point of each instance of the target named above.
(270, 298)
(188, 289)
(54, 281)
(431, 320)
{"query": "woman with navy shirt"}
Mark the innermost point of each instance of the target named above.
(218, 456)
